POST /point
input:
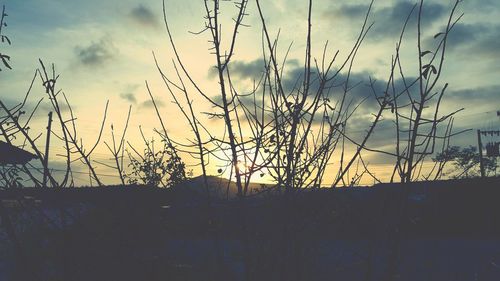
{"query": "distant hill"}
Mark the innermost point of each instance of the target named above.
(222, 188)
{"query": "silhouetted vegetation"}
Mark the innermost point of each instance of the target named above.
(297, 136)
(466, 162)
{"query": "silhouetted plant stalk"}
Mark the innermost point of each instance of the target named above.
(118, 151)
(422, 132)
(300, 156)
(10, 175)
(14, 126)
(273, 138)
(205, 144)
(416, 115)
(73, 142)
(277, 137)
(4, 58)
(293, 135)
(18, 128)
(156, 167)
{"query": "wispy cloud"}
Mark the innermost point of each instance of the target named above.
(130, 97)
(149, 103)
(129, 93)
(96, 53)
(475, 39)
(144, 16)
(388, 21)
(243, 70)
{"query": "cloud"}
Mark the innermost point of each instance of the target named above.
(388, 20)
(464, 34)
(252, 70)
(97, 53)
(472, 40)
(130, 97)
(242, 70)
(347, 11)
(475, 96)
(293, 76)
(484, 7)
(129, 93)
(149, 103)
(142, 15)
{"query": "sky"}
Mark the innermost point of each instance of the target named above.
(103, 51)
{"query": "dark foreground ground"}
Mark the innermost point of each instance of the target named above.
(441, 231)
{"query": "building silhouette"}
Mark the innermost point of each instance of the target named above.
(10, 154)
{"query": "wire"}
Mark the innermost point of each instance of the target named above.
(74, 172)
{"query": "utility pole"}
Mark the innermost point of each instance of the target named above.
(489, 151)
(46, 156)
(480, 147)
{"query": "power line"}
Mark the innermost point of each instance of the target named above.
(74, 172)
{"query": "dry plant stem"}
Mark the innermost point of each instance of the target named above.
(299, 154)
(194, 123)
(300, 130)
(20, 254)
(55, 105)
(419, 107)
(213, 26)
(445, 146)
(165, 135)
(29, 139)
(79, 149)
(117, 152)
(292, 154)
(35, 181)
(386, 100)
(84, 157)
(46, 155)
(191, 118)
(426, 85)
(181, 64)
(70, 136)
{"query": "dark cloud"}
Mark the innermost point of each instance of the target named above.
(144, 16)
(96, 53)
(464, 34)
(360, 87)
(349, 11)
(472, 99)
(484, 7)
(388, 20)
(489, 45)
(472, 40)
(474, 96)
(252, 70)
(363, 89)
